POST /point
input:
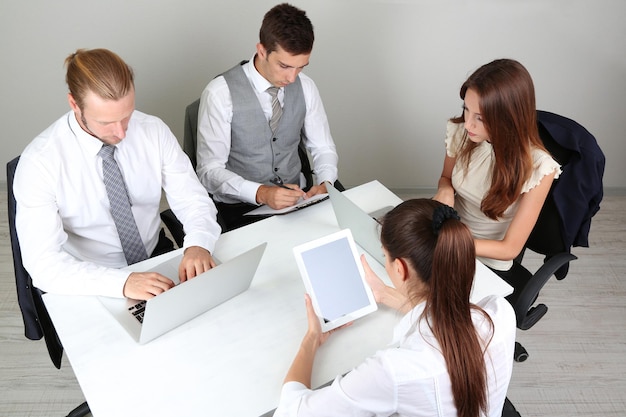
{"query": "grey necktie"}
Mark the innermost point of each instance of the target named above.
(277, 111)
(134, 250)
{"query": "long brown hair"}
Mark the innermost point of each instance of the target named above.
(442, 254)
(507, 106)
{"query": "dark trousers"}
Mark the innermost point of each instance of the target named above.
(232, 216)
(164, 245)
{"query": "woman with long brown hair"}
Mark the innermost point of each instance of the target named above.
(453, 358)
(496, 172)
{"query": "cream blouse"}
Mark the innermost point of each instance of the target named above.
(472, 186)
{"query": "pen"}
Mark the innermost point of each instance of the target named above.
(279, 182)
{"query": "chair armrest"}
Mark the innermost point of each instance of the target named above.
(174, 226)
(527, 316)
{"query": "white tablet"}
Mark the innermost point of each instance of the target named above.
(334, 278)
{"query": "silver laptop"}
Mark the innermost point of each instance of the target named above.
(364, 226)
(147, 320)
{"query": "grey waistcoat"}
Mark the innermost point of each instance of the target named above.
(255, 153)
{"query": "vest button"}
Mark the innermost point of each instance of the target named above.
(275, 169)
(273, 139)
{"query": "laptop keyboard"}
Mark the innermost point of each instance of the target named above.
(137, 310)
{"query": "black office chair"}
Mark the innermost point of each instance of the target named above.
(168, 217)
(509, 409)
(37, 322)
(191, 131)
(564, 220)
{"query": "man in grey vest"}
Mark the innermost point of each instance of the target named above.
(252, 119)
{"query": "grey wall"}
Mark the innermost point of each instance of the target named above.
(388, 70)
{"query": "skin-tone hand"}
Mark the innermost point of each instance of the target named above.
(279, 197)
(196, 260)
(376, 284)
(145, 285)
(383, 293)
(316, 189)
(302, 365)
(315, 329)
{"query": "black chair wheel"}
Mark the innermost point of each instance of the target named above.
(80, 411)
(520, 354)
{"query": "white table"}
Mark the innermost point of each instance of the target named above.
(230, 361)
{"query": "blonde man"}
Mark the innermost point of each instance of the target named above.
(65, 223)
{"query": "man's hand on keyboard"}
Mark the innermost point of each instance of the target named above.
(145, 285)
(196, 260)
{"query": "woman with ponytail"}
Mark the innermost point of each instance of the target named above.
(452, 358)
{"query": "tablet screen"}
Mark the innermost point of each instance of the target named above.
(334, 277)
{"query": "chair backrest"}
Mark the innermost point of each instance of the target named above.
(191, 131)
(546, 237)
(578, 192)
(37, 322)
(566, 215)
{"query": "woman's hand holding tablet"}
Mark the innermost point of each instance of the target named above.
(335, 280)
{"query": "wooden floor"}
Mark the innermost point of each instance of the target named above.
(577, 364)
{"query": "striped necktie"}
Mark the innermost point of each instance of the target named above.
(277, 110)
(134, 249)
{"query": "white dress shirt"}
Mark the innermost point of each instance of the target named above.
(68, 239)
(412, 379)
(214, 136)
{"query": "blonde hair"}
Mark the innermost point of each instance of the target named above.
(100, 71)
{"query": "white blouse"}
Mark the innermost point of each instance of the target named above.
(412, 378)
(472, 185)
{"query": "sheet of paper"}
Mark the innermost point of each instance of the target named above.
(302, 203)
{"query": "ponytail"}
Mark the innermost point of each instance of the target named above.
(431, 238)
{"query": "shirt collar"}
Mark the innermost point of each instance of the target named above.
(407, 324)
(258, 81)
(89, 143)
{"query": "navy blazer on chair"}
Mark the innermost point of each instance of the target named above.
(578, 191)
(37, 322)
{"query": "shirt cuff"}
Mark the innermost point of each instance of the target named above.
(248, 192)
(113, 282)
(203, 240)
(326, 173)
